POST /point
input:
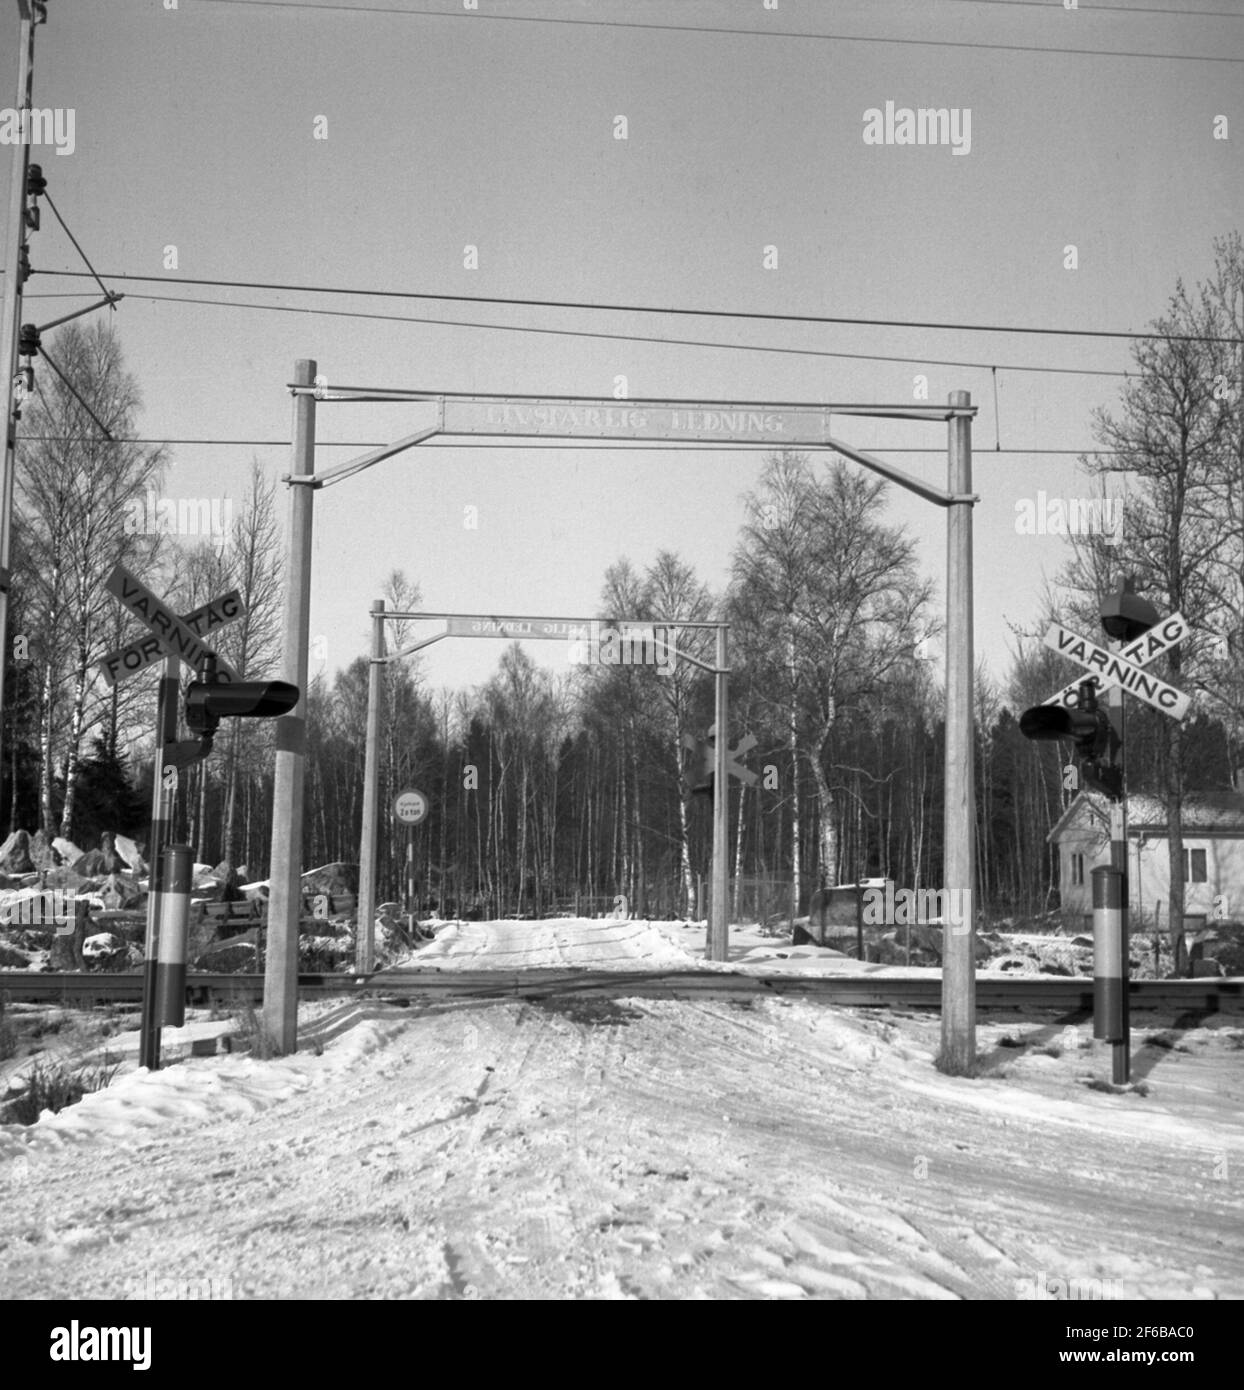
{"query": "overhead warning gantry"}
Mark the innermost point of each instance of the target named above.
(574, 632)
(451, 416)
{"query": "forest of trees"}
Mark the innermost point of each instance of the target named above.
(549, 790)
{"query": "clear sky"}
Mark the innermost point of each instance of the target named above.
(196, 127)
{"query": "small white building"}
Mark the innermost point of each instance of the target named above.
(1213, 845)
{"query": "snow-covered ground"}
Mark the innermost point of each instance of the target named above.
(608, 944)
(597, 1148)
(574, 942)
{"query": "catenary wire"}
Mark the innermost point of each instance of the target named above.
(711, 29)
(609, 337)
(657, 309)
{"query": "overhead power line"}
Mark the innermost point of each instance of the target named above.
(609, 337)
(673, 445)
(653, 309)
(1112, 9)
(480, 15)
(612, 337)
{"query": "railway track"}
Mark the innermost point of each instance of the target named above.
(862, 991)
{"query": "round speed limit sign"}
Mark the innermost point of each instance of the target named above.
(410, 807)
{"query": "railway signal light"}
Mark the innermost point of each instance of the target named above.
(208, 702)
(1125, 615)
(1089, 728)
(700, 767)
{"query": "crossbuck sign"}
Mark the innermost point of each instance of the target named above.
(1123, 668)
(169, 634)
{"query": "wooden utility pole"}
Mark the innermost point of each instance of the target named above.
(10, 317)
(365, 935)
(280, 997)
(958, 1053)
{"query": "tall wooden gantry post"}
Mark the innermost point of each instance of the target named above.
(959, 857)
(280, 998)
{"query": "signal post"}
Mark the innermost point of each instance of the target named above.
(1137, 635)
(221, 692)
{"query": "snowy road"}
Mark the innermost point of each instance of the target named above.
(586, 1147)
(659, 1149)
(570, 942)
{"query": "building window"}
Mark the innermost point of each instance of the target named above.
(1194, 866)
(1077, 869)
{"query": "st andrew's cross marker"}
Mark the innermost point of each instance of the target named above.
(146, 651)
(170, 635)
(1140, 652)
(1113, 669)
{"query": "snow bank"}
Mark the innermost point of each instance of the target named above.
(201, 1089)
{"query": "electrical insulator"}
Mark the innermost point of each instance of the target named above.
(28, 341)
(23, 386)
(36, 185)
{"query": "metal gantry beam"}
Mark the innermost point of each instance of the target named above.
(902, 411)
(783, 425)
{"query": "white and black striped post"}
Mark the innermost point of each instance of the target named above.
(173, 912)
(163, 799)
(1116, 710)
(1110, 967)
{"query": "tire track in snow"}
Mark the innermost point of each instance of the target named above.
(628, 1148)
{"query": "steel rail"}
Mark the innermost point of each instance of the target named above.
(1210, 995)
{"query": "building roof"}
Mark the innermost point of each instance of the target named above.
(1204, 813)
